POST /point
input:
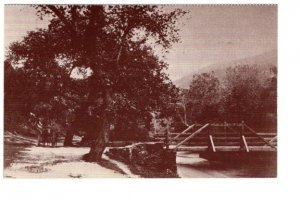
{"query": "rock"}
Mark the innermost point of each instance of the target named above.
(122, 154)
(147, 159)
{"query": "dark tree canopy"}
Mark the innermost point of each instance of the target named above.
(119, 74)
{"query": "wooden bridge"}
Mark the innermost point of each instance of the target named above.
(223, 141)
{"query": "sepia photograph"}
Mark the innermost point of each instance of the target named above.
(140, 91)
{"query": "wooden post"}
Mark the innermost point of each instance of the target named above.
(245, 144)
(212, 145)
(225, 129)
(208, 139)
(167, 135)
(241, 135)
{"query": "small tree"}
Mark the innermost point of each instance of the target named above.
(181, 108)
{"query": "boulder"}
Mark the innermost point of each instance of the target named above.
(149, 159)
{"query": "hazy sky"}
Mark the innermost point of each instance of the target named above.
(211, 34)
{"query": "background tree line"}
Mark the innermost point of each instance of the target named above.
(246, 93)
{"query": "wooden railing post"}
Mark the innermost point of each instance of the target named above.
(241, 135)
(243, 142)
(225, 129)
(211, 145)
(167, 136)
(208, 139)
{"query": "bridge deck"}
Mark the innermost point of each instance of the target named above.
(223, 148)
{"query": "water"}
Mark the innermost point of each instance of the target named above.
(189, 165)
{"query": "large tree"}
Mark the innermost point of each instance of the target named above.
(110, 44)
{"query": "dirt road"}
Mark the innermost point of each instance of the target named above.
(61, 162)
(25, 160)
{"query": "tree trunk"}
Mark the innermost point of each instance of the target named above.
(98, 146)
(69, 139)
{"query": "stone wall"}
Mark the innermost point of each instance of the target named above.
(147, 159)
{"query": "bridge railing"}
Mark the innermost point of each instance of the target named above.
(215, 135)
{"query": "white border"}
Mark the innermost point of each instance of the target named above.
(285, 186)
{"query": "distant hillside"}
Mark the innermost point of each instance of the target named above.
(262, 60)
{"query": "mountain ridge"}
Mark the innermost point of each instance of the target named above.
(263, 60)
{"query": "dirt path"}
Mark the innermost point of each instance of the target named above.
(13, 146)
(61, 162)
(25, 160)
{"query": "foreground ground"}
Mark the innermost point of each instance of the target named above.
(40, 162)
(24, 160)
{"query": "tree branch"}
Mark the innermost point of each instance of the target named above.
(123, 38)
(61, 16)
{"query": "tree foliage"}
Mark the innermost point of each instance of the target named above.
(204, 95)
(246, 93)
(119, 75)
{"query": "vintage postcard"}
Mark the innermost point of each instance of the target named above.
(140, 91)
